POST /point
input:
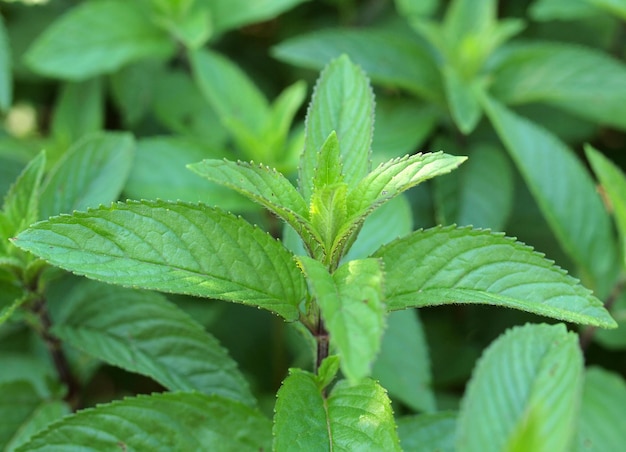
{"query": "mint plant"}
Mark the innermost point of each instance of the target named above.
(338, 297)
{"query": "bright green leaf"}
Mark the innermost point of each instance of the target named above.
(143, 332)
(91, 173)
(160, 422)
(97, 37)
(329, 167)
(352, 308)
(403, 365)
(6, 76)
(413, 10)
(328, 216)
(547, 10)
(173, 247)
(433, 432)
(569, 201)
(327, 371)
(446, 265)
(229, 14)
(464, 107)
(352, 417)
(524, 393)
(343, 102)
(616, 7)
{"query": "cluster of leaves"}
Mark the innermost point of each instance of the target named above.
(356, 253)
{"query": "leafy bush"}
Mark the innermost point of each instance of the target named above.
(339, 229)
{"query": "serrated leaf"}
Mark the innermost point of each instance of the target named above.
(352, 308)
(601, 424)
(352, 417)
(446, 265)
(524, 393)
(229, 14)
(145, 333)
(583, 81)
(328, 213)
(570, 203)
(613, 182)
(91, 173)
(173, 247)
(403, 364)
(329, 167)
(342, 102)
(24, 412)
(393, 58)
(95, 38)
(433, 432)
(6, 71)
(159, 422)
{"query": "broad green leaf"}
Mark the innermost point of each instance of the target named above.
(133, 88)
(352, 417)
(413, 10)
(403, 364)
(343, 102)
(188, 22)
(583, 81)
(165, 158)
(21, 204)
(24, 412)
(97, 37)
(6, 71)
(229, 14)
(78, 111)
(393, 58)
(433, 432)
(448, 265)
(145, 333)
(173, 247)
(352, 308)
(547, 10)
(616, 7)
(613, 181)
(464, 107)
(159, 422)
(91, 173)
(524, 393)
(569, 201)
(34, 370)
(601, 425)
(329, 166)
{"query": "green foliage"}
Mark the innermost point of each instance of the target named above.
(127, 281)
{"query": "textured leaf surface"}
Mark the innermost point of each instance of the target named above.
(602, 425)
(228, 14)
(6, 77)
(173, 247)
(160, 422)
(403, 364)
(569, 202)
(447, 265)
(524, 393)
(392, 58)
(96, 37)
(583, 81)
(91, 173)
(352, 417)
(343, 102)
(145, 333)
(428, 432)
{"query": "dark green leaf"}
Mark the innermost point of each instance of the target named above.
(78, 111)
(446, 265)
(6, 76)
(173, 247)
(428, 432)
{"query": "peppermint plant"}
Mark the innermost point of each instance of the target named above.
(529, 383)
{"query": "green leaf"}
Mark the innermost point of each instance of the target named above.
(547, 10)
(327, 371)
(133, 89)
(583, 81)
(403, 365)
(91, 173)
(173, 247)
(393, 58)
(159, 422)
(97, 37)
(613, 182)
(328, 216)
(329, 166)
(188, 22)
(23, 413)
(570, 204)
(615, 7)
(352, 308)
(79, 110)
(464, 107)
(524, 393)
(428, 432)
(145, 333)
(415, 10)
(352, 417)
(446, 265)
(601, 424)
(6, 71)
(229, 14)
(343, 102)
(21, 204)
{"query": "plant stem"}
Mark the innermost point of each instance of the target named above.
(55, 348)
(587, 335)
(321, 337)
